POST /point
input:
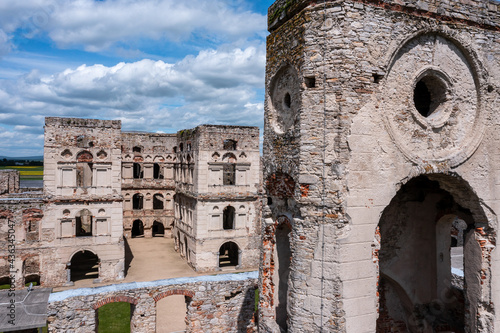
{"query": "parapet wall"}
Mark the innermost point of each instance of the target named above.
(485, 13)
(221, 303)
(9, 181)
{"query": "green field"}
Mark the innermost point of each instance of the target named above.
(27, 172)
(114, 318)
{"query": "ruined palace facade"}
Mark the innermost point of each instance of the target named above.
(381, 147)
(102, 185)
(217, 206)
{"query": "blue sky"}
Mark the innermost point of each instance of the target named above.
(157, 65)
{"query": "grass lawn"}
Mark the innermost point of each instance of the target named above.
(114, 318)
(27, 172)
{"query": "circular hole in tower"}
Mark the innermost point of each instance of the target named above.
(429, 93)
(287, 100)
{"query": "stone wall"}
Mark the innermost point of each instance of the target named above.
(147, 173)
(21, 237)
(9, 181)
(345, 133)
(217, 171)
(222, 303)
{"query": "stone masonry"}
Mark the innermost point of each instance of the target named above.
(381, 134)
(9, 181)
(223, 303)
(148, 185)
(217, 206)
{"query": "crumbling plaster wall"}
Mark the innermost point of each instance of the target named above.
(201, 195)
(97, 143)
(337, 151)
(21, 239)
(155, 149)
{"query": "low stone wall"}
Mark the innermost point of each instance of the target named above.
(217, 303)
(9, 181)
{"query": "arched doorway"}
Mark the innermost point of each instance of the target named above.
(229, 255)
(171, 313)
(158, 229)
(137, 229)
(419, 290)
(84, 265)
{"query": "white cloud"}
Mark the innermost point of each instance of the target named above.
(97, 25)
(5, 44)
(217, 86)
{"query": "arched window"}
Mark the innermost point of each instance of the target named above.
(229, 169)
(84, 169)
(31, 271)
(137, 201)
(157, 171)
(137, 149)
(138, 172)
(158, 201)
(84, 265)
(137, 228)
(228, 255)
(83, 221)
(228, 218)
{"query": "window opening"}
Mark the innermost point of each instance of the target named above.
(228, 218)
(137, 201)
(229, 144)
(157, 171)
(138, 172)
(158, 201)
(429, 94)
(229, 171)
(83, 223)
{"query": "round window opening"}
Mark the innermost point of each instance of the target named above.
(429, 93)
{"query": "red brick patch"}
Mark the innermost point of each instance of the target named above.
(114, 299)
(167, 293)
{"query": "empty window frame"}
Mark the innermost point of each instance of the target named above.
(228, 218)
(229, 144)
(138, 171)
(137, 201)
(83, 221)
(229, 173)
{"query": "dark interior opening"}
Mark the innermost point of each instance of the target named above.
(228, 254)
(287, 100)
(84, 265)
(137, 229)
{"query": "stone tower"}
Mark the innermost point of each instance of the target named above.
(381, 165)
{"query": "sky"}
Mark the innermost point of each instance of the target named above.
(156, 65)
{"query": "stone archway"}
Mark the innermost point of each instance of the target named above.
(417, 290)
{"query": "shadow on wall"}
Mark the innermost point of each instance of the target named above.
(128, 256)
(248, 311)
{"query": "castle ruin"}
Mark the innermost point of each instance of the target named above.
(381, 167)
